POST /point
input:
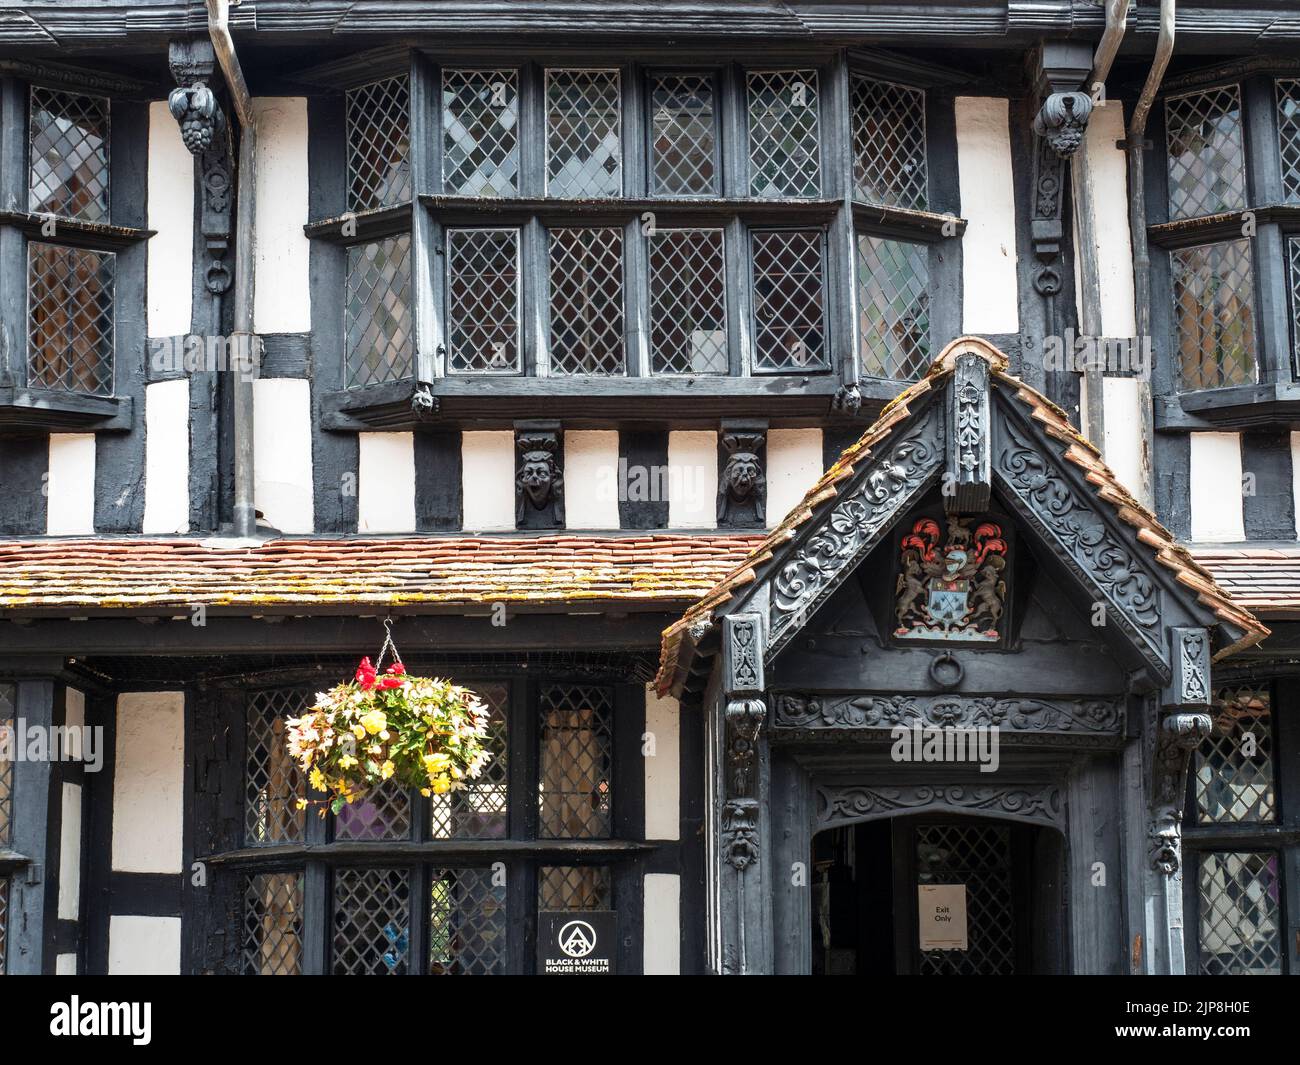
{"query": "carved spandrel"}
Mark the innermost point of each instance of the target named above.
(843, 803)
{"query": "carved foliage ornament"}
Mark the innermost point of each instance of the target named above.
(953, 587)
(201, 121)
(854, 802)
(854, 524)
(1092, 716)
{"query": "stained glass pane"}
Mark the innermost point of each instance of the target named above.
(584, 155)
(1288, 134)
(978, 856)
(467, 922)
(377, 316)
(789, 332)
(480, 132)
(889, 164)
(273, 924)
(379, 145)
(70, 318)
(893, 308)
(1240, 914)
(574, 887)
(586, 269)
(480, 811)
(483, 300)
(688, 301)
(68, 155)
(683, 135)
(576, 758)
(1214, 310)
(372, 922)
(784, 133)
(1207, 163)
(1234, 764)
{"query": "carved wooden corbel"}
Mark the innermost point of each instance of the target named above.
(539, 476)
(742, 475)
(744, 716)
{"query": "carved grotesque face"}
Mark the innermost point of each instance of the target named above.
(536, 474)
(743, 474)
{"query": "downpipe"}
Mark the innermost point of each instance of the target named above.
(245, 513)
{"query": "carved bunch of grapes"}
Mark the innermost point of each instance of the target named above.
(196, 110)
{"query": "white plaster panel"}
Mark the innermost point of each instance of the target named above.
(144, 946)
(1123, 448)
(386, 483)
(1216, 488)
(74, 713)
(167, 457)
(70, 854)
(692, 479)
(282, 296)
(147, 782)
(70, 486)
(282, 445)
(488, 480)
(591, 479)
(988, 247)
(170, 250)
(65, 965)
(663, 805)
(663, 924)
(1114, 246)
(794, 464)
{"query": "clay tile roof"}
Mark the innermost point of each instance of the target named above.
(84, 576)
(1055, 423)
(1263, 578)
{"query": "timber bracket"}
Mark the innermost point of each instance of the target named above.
(744, 718)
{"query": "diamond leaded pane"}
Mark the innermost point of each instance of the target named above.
(467, 922)
(784, 133)
(576, 758)
(683, 135)
(379, 142)
(483, 300)
(893, 308)
(1288, 133)
(584, 156)
(1234, 764)
(372, 922)
(273, 924)
(1240, 914)
(889, 164)
(688, 301)
(1207, 163)
(70, 318)
(480, 132)
(1214, 308)
(273, 784)
(8, 704)
(587, 301)
(377, 315)
(789, 333)
(574, 887)
(1293, 273)
(480, 811)
(68, 175)
(978, 856)
(383, 812)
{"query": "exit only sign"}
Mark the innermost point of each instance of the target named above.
(942, 911)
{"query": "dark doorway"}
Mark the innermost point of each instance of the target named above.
(874, 890)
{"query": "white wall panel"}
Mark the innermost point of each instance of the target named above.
(170, 251)
(663, 804)
(282, 297)
(488, 480)
(167, 457)
(148, 776)
(692, 479)
(386, 483)
(282, 444)
(794, 464)
(663, 924)
(70, 486)
(591, 479)
(1123, 431)
(144, 946)
(1216, 488)
(70, 853)
(988, 247)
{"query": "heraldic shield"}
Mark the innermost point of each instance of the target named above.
(951, 587)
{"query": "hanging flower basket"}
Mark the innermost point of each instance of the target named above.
(421, 732)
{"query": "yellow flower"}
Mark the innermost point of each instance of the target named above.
(436, 763)
(425, 792)
(441, 785)
(375, 722)
(387, 769)
(317, 779)
(302, 804)
(359, 731)
(347, 762)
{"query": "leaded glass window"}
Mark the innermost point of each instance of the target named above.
(467, 922)
(584, 152)
(272, 944)
(586, 274)
(8, 706)
(1288, 135)
(480, 132)
(70, 318)
(574, 887)
(789, 312)
(379, 144)
(377, 312)
(273, 782)
(1240, 913)
(68, 155)
(483, 300)
(893, 308)
(382, 813)
(576, 737)
(1293, 285)
(372, 922)
(683, 135)
(889, 163)
(688, 302)
(1206, 157)
(481, 810)
(784, 133)
(1233, 773)
(1214, 312)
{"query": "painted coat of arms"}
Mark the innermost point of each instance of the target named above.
(953, 587)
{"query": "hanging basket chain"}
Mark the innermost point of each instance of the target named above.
(387, 646)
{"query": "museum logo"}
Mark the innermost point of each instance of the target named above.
(930, 743)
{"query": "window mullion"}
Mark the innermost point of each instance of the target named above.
(537, 299)
(316, 916)
(636, 183)
(733, 133)
(426, 234)
(532, 132)
(740, 306)
(837, 183)
(636, 298)
(13, 245)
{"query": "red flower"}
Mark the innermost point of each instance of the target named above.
(397, 669)
(366, 675)
(390, 682)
